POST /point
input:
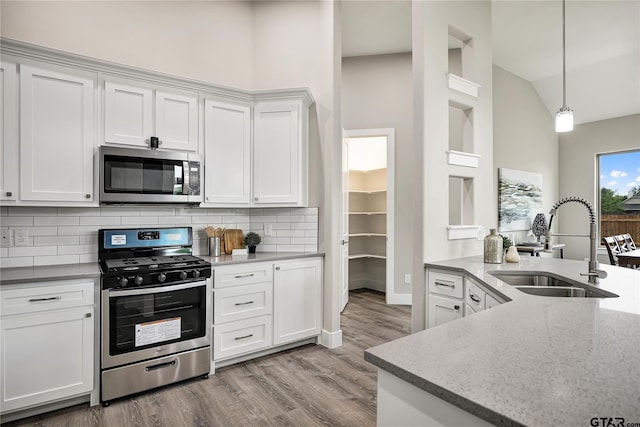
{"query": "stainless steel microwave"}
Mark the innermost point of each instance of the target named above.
(138, 176)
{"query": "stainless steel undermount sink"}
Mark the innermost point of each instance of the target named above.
(549, 285)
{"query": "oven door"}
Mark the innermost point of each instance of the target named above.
(145, 323)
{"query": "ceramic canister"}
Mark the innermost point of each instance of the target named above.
(493, 249)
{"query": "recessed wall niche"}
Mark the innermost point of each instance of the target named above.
(461, 217)
(460, 53)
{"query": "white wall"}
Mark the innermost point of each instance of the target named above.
(376, 93)
(524, 136)
(431, 22)
(578, 167)
(208, 41)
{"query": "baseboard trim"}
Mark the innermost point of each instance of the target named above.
(398, 299)
(331, 339)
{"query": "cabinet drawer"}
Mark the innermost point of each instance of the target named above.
(242, 302)
(243, 274)
(475, 296)
(450, 285)
(46, 296)
(243, 336)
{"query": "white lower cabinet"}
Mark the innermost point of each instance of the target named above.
(451, 296)
(47, 340)
(297, 300)
(261, 305)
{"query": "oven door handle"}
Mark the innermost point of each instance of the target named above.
(155, 289)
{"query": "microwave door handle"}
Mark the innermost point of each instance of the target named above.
(185, 178)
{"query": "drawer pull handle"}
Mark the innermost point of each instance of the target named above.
(456, 307)
(240, 276)
(243, 337)
(44, 299)
(245, 303)
(474, 298)
(446, 284)
(160, 366)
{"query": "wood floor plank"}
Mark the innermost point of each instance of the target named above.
(307, 386)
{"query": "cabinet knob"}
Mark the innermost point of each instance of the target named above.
(255, 199)
(277, 268)
(9, 194)
(87, 315)
(87, 196)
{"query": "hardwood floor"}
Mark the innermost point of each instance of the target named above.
(307, 386)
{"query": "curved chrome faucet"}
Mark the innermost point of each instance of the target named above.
(594, 273)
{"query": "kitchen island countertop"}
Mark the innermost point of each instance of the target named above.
(533, 360)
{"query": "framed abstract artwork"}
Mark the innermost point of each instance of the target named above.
(519, 199)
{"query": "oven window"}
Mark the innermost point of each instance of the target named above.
(144, 176)
(137, 322)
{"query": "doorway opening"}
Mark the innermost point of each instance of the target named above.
(368, 212)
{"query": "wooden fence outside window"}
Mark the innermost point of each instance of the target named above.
(614, 224)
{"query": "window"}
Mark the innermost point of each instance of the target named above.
(619, 198)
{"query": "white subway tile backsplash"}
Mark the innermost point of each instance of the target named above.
(16, 262)
(16, 221)
(21, 251)
(100, 220)
(21, 211)
(70, 235)
(55, 240)
(78, 211)
(56, 259)
(76, 249)
(56, 220)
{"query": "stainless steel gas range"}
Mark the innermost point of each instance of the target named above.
(156, 310)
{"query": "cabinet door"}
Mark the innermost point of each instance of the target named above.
(443, 309)
(57, 134)
(177, 121)
(46, 356)
(8, 132)
(279, 154)
(491, 302)
(128, 114)
(227, 145)
(297, 300)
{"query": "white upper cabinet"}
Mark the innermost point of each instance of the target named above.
(227, 146)
(280, 150)
(9, 144)
(57, 134)
(134, 113)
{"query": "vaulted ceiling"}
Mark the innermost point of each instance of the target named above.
(603, 47)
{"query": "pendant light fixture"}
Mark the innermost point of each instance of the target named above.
(564, 116)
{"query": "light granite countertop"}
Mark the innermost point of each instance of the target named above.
(533, 360)
(27, 275)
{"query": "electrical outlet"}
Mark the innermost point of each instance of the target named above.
(20, 236)
(268, 229)
(5, 237)
(407, 279)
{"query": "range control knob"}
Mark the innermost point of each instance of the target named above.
(122, 281)
(162, 277)
(196, 273)
(138, 280)
(183, 275)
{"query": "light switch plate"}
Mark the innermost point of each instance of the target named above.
(20, 237)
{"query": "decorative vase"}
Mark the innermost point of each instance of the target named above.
(252, 249)
(493, 247)
(512, 254)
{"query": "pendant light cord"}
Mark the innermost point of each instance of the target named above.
(564, 70)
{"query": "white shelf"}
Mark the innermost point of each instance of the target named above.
(455, 232)
(367, 191)
(368, 235)
(460, 158)
(463, 85)
(367, 213)
(360, 256)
